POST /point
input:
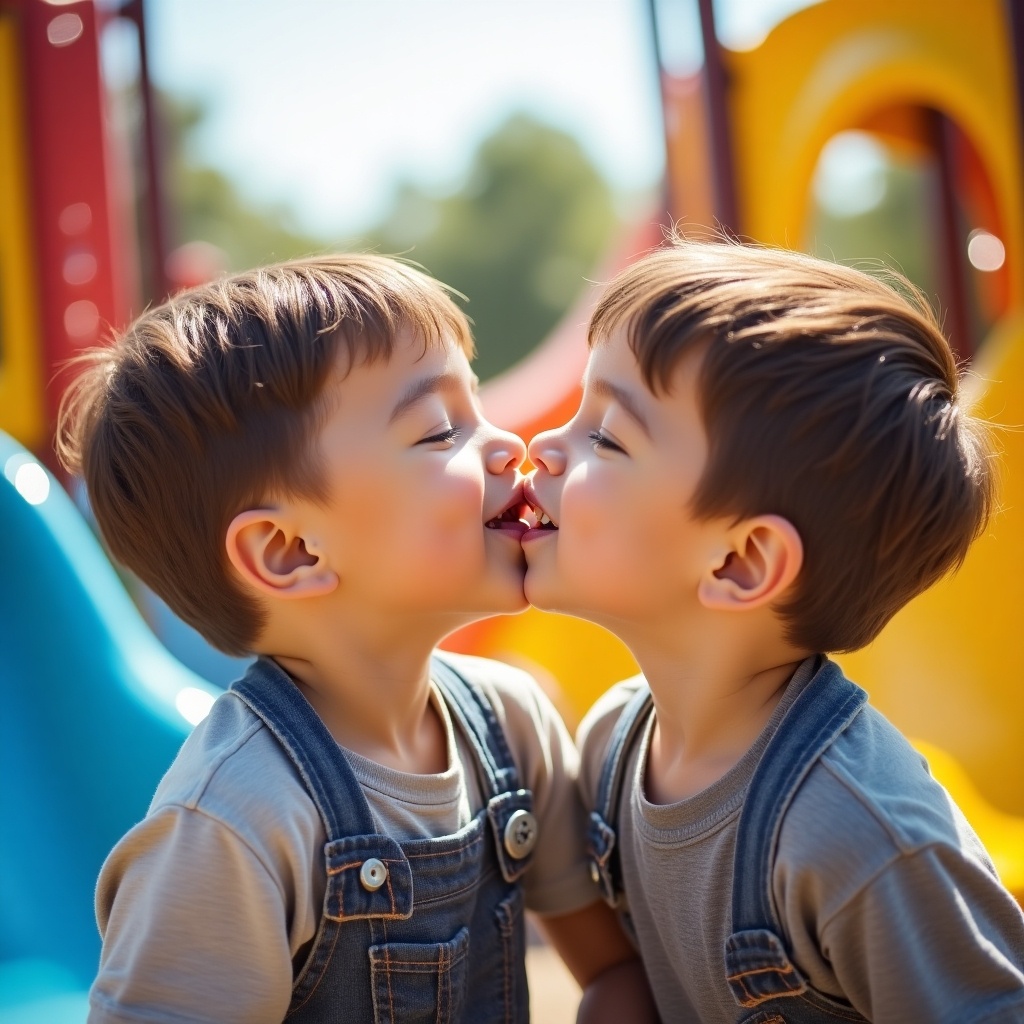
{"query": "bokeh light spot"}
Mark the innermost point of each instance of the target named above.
(30, 480)
(193, 704)
(985, 251)
(64, 29)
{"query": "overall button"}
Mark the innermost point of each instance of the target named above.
(373, 874)
(520, 834)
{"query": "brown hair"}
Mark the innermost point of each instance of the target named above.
(208, 404)
(828, 398)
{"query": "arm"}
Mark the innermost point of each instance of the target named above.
(932, 937)
(605, 965)
(193, 926)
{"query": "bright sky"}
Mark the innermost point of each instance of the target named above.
(325, 104)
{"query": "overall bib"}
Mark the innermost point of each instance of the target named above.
(766, 985)
(429, 930)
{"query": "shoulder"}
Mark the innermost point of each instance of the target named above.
(522, 708)
(595, 732)
(867, 803)
(231, 770)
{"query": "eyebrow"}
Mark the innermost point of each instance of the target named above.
(428, 386)
(606, 389)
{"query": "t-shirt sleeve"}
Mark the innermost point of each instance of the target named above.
(558, 881)
(194, 927)
(932, 937)
(888, 898)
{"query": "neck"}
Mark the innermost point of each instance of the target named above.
(370, 688)
(713, 695)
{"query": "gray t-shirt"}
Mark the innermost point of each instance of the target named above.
(208, 904)
(885, 895)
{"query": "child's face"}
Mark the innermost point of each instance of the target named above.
(617, 481)
(415, 475)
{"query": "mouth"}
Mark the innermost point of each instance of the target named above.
(539, 519)
(514, 519)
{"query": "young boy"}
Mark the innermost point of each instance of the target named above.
(769, 460)
(295, 460)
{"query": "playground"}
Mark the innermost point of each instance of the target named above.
(96, 703)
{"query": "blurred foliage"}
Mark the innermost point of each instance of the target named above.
(204, 204)
(517, 237)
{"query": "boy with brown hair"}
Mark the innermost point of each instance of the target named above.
(770, 459)
(295, 459)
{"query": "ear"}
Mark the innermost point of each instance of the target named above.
(764, 557)
(269, 554)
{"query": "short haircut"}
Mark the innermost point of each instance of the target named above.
(210, 403)
(829, 398)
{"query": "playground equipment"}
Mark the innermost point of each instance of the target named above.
(947, 669)
(95, 705)
(94, 711)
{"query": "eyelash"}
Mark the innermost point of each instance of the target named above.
(445, 437)
(600, 441)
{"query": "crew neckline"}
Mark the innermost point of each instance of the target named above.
(431, 789)
(705, 812)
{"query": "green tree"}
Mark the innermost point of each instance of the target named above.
(204, 204)
(518, 237)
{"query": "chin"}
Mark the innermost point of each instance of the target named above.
(540, 596)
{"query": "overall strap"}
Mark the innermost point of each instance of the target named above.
(509, 808)
(271, 695)
(479, 723)
(757, 966)
(605, 864)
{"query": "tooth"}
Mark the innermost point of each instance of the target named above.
(545, 519)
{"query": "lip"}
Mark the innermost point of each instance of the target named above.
(535, 532)
(513, 527)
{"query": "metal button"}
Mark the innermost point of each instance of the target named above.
(373, 874)
(520, 834)
(595, 873)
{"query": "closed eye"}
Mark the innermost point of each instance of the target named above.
(599, 440)
(445, 437)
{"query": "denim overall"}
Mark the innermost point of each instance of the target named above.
(429, 930)
(766, 985)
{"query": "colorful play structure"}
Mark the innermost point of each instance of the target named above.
(95, 705)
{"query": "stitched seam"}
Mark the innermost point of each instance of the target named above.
(851, 786)
(200, 789)
(762, 970)
(857, 893)
(446, 852)
(323, 973)
(387, 968)
(233, 831)
(455, 892)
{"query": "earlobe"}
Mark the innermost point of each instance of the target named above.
(270, 555)
(764, 558)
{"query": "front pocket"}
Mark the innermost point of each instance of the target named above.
(419, 983)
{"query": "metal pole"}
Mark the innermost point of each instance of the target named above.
(670, 199)
(134, 10)
(716, 88)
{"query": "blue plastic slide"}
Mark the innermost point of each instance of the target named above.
(94, 709)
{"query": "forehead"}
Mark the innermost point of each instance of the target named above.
(613, 373)
(380, 389)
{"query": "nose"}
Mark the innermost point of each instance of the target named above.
(505, 451)
(547, 452)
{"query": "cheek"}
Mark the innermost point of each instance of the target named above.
(612, 534)
(441, 517)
